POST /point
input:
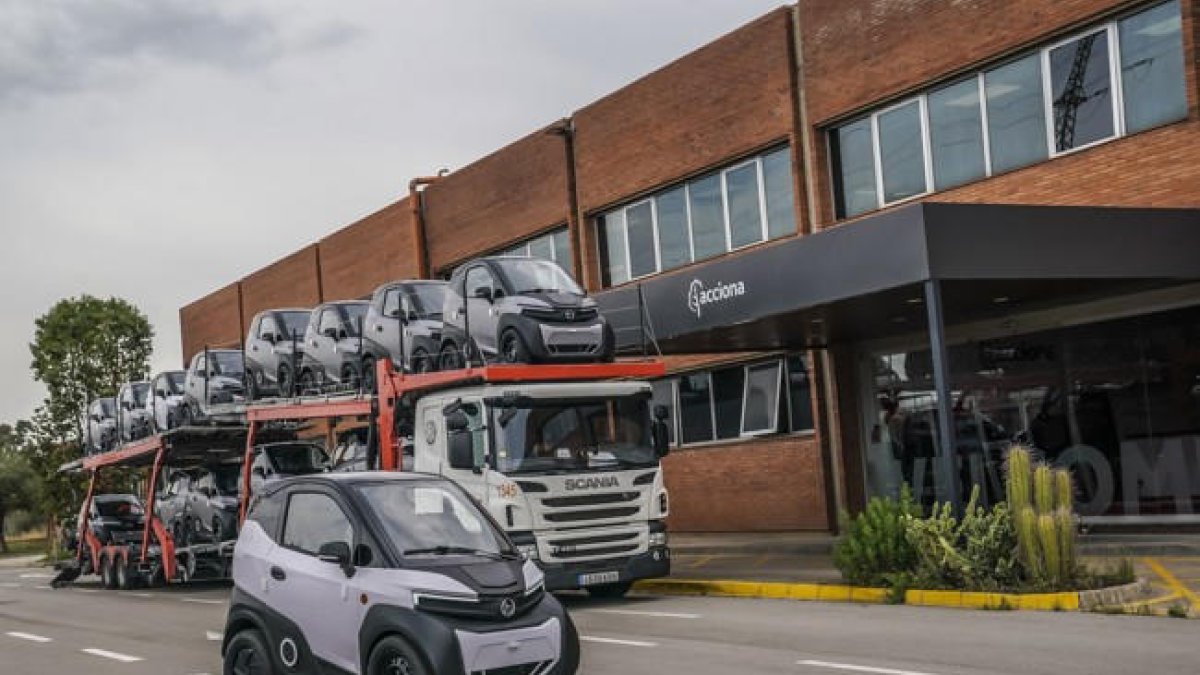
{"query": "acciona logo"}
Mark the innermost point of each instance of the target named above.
(698, 295)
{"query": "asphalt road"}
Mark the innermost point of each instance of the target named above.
(175, 631)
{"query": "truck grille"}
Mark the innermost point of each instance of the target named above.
(592, 514)
(565, 547)
(590, 500)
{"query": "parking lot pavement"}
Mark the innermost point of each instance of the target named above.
(175, 631)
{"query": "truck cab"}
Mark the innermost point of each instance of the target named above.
(570, 470)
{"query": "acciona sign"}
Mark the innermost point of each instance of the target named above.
(699, 295)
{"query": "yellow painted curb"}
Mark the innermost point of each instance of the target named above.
(839, 593)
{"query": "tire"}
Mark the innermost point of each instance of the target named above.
(180, 533)
(610, 591)
(285, 381)
(185, 415)
(350, 376)
(393, 655)
(252, 392)
(308, 383)
(108, 576)
(218, 530)
(368, 375)
(568, 661)
(422, 362)
(124, 577)
(449, 358)
(512, 347)
(247, 654)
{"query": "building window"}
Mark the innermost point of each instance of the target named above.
(738, 206)
(554, 246)
(738, 401)
(1120, 77)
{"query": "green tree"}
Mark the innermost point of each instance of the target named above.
(84, 348)
(18, 482)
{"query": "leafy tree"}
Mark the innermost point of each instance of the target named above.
(18, 482)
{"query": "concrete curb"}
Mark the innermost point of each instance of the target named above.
(1057, 602)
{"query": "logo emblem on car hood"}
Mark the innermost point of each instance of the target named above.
(508, 607)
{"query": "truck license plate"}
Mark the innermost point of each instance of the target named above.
(599, 578)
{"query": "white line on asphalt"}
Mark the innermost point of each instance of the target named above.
(133, 594)
(859, 669)
(637, 612)
(213, 636)
(614, 641)
(115, 656)
(203, 601)
(44, 588)
(86, 590)
(28, 636)
(37, 575)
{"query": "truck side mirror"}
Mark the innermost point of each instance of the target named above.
(660, 432)
(337, 553)
(461, 450)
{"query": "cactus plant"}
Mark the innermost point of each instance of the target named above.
(1027, 543)
(1042, 502)
(1043, 489)
(1020, 464)
(1047, 530)
(1064, 490)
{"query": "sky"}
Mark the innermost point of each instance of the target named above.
(156, 150)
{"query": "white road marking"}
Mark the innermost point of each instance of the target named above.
(859, 669)
(133, 594)
(44, 588)
(37, 575)
(115, 656)
(637, 612)
(86, 590)
(203, 601)
(28, 636)
(614, 641)
(213, 636)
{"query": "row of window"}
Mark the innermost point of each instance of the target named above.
(744, 400)
(554, 246)
(742, 204)
(1118, 78)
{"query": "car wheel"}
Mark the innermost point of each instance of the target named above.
(252, 392)
(308, 383)
(350, 378)
(287, 383)
(568, 660)
(512, 347)
(393, 655)
(368, 375)
(611, 591)
(108, 577)
(247, 654)
(422, 362)
(449, 358)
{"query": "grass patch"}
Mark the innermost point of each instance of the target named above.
(21, 547)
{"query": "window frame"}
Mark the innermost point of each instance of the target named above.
(773, 411)
(1117, 95)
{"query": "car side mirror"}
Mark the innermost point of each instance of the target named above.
(337, 553)
(259, 471)
(330, 333)
(270, 337)
(484, 293)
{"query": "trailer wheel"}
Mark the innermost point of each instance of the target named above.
(108, 577)
(393, 655)
(247, 654)
(124, 577)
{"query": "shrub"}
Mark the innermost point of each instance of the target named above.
(874, 544)
(977, 553)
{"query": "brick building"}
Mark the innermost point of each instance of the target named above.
(928, 224)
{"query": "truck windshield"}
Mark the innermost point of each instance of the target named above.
(425, 518)
(596, 434)
(175, 381)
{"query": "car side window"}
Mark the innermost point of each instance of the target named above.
(328, 320)
(391, 302)
(198, 367)
(478, 278)
(267, 512)
(313, 520)
(266, 325)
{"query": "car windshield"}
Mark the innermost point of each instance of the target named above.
(118, 508)
(529, 275)
(175, 381)
(352, 317)
(297, 459)
(139, 393)
(424, 518)
(294, 323)
(107, 408)
(599, 434)
(227, 363)
(226, 479)
(427, 299)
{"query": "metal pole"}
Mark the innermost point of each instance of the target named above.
(941, 381)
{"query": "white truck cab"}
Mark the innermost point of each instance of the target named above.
(570, 470)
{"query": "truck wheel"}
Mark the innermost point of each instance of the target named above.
(394, 656)
(108, 577)
(180, 534)
(124, 577)
(512, 347)
(611, 591)
(422, 362)
(449, 359)
(247, 654)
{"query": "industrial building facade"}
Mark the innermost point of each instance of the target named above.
(863, 231)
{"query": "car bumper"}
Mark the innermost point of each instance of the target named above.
(541, 644)
(654, 563)
(566, 342)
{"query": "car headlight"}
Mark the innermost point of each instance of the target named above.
(658, 539)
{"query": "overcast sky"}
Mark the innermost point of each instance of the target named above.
(158, 149)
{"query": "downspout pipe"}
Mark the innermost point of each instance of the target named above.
(417, 203)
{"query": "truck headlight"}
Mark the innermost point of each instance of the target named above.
(658, 539)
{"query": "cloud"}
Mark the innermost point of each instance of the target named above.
(59, 46)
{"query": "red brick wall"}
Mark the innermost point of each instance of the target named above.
(509, 195)
(212, 320)
(290, 282)
(762, 485)
(358, 258)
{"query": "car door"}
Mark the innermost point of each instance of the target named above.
(194, 383)
(481, 312)
(317, 595)
(473, 481)
(268, 335)
(199, 501)
(385, 325)
(155, 399)
(323, 340)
